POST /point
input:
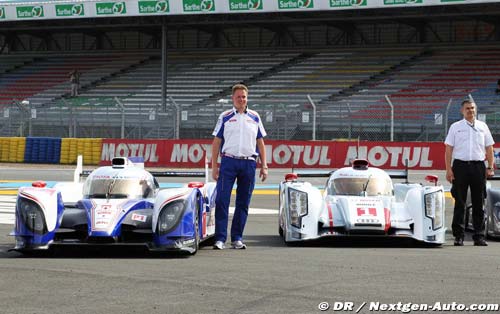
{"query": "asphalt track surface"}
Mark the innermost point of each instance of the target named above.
(268, 277)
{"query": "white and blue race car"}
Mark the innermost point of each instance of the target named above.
(120, 204)
(491, 207)
(360, 201)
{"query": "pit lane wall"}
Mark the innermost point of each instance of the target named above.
(194, 153)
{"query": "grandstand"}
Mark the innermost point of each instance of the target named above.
(350, 71)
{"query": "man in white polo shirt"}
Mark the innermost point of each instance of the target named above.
(468, 144)
(239, 138)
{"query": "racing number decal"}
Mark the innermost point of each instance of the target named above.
(371, 211)
(103, 216)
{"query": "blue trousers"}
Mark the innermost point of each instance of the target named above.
(243, 172)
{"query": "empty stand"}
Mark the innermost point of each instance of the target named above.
(348, 87)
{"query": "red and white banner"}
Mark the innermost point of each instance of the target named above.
(283, 154)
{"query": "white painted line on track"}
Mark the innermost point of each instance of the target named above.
(257, 211)
(7, 208)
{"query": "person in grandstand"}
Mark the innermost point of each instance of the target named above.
(497, 91)
(239, 138)
(468, 144)
(74, 79)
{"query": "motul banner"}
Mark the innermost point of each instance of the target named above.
(283, 154)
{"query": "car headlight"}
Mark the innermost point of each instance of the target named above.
(170, 216)
(297, 205)
(434, 208)
(32, 216)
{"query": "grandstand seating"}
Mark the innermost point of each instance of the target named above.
(425, 86)
(45, 78)
(347, 85)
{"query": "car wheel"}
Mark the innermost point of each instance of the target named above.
(196, 244)
(486, 229)
(280, 229)
(285, 240)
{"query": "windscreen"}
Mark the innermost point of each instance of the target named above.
(117, 188)
(356, 186)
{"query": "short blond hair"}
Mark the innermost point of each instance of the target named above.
(238, 87)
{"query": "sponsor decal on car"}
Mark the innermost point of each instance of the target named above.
(139, 217)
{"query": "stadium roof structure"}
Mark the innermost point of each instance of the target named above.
(22, 10)
(214, 19)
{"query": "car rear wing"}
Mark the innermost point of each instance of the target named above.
(398, 174)
(313, 173)
(394, 174)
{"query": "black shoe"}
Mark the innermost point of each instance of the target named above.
(480, 242)
(458, 241)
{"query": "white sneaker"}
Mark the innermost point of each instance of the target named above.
(219, 245)
(238, 245)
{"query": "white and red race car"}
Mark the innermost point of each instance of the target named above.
(361, 200)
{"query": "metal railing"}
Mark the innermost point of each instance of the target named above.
(108, 117)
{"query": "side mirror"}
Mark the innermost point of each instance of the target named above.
(291, 177)
(196, 185)
(432, 179)
(39, 184)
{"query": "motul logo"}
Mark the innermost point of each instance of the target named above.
(147, 151)
(281, 154)
(308, 154)
(396, 156)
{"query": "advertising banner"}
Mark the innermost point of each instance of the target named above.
(283, 154)
(61, 9)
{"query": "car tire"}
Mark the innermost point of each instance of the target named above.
(196, 244)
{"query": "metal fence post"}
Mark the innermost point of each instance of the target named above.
(177, 118)
(392, 117)
(349, 132)
(122, 109)
(70, 120)
(446, 116)
(314, 117)
(28, 103)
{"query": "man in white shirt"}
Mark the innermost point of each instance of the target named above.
(239, 138)
(468, 144)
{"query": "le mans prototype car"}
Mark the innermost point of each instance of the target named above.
(491, 211)
(361, 200)
(120, 204)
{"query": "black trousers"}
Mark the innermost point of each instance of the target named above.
(468, 174)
